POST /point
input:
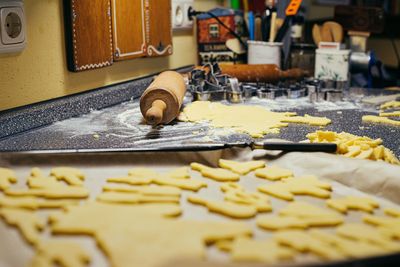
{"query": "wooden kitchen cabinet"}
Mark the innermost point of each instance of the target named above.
(103, 31)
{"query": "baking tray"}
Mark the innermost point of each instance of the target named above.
(97, 167)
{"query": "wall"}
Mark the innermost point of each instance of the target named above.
(39, 72)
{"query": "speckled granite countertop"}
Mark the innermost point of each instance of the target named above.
(121, 127)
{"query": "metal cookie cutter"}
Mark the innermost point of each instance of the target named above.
(234, 92)
(266, 93)
(296, 92)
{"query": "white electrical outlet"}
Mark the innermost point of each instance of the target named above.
(180, 18)
(12, 26)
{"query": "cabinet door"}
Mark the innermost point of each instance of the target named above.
(88, 34)
(158, 27)
(128, 28)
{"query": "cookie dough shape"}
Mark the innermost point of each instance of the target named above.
(217, 174)
(352, 202)
(303, 242)
(241, 168)
(27, 222)
(132, 180)
(273, 173)
(143, 173)
(287, 222)
(306, 210)
(387, 226)
(7, 177)
(377, 119)
(134, 198)
(179, 173)
(365, 233)
(245, 249)
(71, 176)
(235, 193)
(153, 190)
(64, 253)
(33, 203)
(225, 208)
(241, 117)
(58, 192)
(114, 233)
(306, 185)
(349, 248)
(185, 184)
(392, 212)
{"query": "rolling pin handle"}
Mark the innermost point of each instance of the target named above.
(154, 115)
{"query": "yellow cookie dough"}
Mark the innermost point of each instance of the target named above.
(287, 188)
(390, 114)
(352, 202)
(27, 222)
(33, 203)
(130, 235)
(303, 242)
(7, 177)
(392, 212)
(242, 168)
(242, 118)
(185, 184)
(377, 119)
(280, 222)
(365, 233)
(273, 173)
(132, 180)
(390, 104)
(306, 210)
(225, 208)
(134, 198)
(245, 249)
(63, 253)
(179, 173)
(51, 192)
(354, 146)
(71, 176)
(237, 194)
(348, 247)
(217, 174)
(387, 226)
(153, 190)
(143, 173)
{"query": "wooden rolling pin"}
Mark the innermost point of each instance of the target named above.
(162, 100)
(261, 72)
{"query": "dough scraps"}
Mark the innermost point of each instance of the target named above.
(217, 174)
(7, 177)
(303, 242)
(365, 233)
(267, 251)
(179, 173)
(226, 208)
(390, 104)
(390, 114)
(306, 185)
(28, 202)
(352, 202)
(273, 173)
(63, 253)
(377, 119)
(27, 222)
(71, 176)
(253, 120)
(355, 146)
(242, 168)
(134, 198)
(235, 193)
(149, 226)
(154, 190)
